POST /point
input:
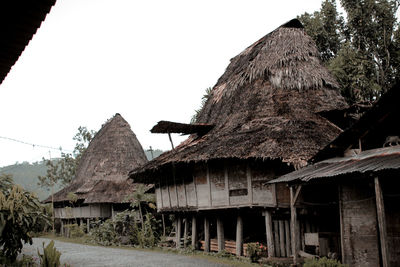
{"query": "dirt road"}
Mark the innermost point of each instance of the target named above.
(84, 255)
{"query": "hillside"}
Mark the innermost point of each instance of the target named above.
(25, 174)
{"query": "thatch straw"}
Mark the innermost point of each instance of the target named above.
(264, 106)
(102, 173)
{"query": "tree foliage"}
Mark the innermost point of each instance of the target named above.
(362, 51)
(204, 99)
(20, 214)
(63, 170)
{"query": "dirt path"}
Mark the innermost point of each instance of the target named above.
(84, 255)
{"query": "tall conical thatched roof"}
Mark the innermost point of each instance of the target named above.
(266, 105)
(102, 173)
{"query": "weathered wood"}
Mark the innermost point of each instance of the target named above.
(176, 189)
(195, 191)
(184, 186)
(341, 222)
(178, 227)
(161, 194)
(169, 193)
(276, 239)
(194, 232)
(206, 235)
(287, 239)
(282, 238)
(249, 184)
(112, 211)
(293, 220)
(170, 139)
(380, 210)
(220, 235)
(185, 232)
(62, 228)
(239, 236)
(226, 184)
(88, 225)
(274, 197)
(209, 185)
(269, 233)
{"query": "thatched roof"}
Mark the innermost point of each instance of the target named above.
(266, 105)
(102, 174)
(19, 21)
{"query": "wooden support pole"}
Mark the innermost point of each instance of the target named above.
(239, 236)
(62, 228)
(206, 235)
(276, 239)
(194, 232)
(220, 234)
(269, 233)
(282, 238)
(88, 225)
(380, 210)
(293, 220)
(178, 227)
(185, 232)
(287, 238)
(340, 195)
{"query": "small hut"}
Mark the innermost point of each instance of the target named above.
(264, 118)
(347, 202)
(101, 182)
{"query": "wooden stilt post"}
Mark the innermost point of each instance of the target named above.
(293, 220)
(88, 225)
(282, 238)
(269, 233)
(62, 228)
(206, 235)
(194, 232)
(239, 236)
(380, 210)
(220, 234)
(185, 232)
(287, 238)
(276, 239)
(178, 227)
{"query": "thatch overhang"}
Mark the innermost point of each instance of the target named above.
(19, 21)
(102, 174)
(265, 106)
(182, 128)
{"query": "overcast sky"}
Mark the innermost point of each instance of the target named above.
(147, 60)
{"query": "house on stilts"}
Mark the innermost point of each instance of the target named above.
(101, 183)
(265, 117)
(347, 201)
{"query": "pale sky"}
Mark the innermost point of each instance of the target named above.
(147, 60)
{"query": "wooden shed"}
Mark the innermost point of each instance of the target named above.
(101, 182)
(347, 202)
(262, 119)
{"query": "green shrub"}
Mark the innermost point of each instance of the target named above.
(254, 251)
(50, 257)
(323, 262)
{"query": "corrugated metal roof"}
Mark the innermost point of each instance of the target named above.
(369, 160)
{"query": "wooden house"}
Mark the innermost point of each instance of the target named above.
(263, 118)
(347, 202)
(101, 182)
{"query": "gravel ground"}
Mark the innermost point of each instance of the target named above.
(84, 255)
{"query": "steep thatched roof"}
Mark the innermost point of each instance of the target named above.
(266, 105)
(102, 173)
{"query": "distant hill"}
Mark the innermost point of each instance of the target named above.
(25, 174)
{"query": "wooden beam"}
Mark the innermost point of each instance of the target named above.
(282, 238)
(340, 195)
(206, 234)
(178, 227)
(380, 209)
(161, 194)
(269, 234)
(298, 189)
(239, 236)
(62, 228)
(195, 191)
(88, 224)
(293, 220)
(194, 232)
(287, 238)
(209, 185)
(249, 184)
(170, 139)
(176, 189)
(169, 193)
(276, 239)
(220, 234)
(185, 232)
(226, 184)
